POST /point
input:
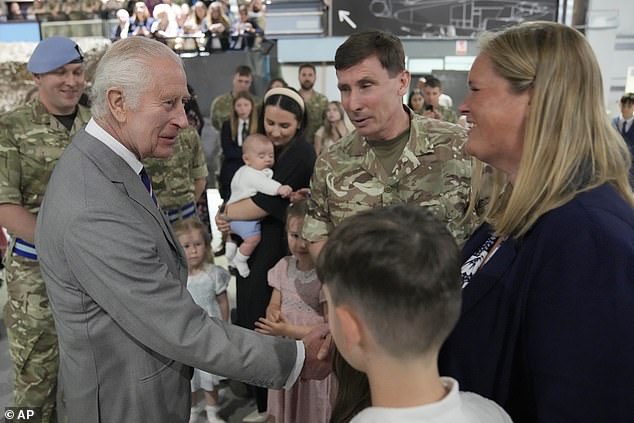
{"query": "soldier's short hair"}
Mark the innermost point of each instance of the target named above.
(433, 82)
(399, 268)
(307, 65)
(363, 44)
(243, 70)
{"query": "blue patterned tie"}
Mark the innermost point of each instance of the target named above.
(148, 184)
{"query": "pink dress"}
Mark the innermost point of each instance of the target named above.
(308, 401)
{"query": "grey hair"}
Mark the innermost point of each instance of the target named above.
(127, 66)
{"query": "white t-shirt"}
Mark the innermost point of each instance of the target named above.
(455, 407)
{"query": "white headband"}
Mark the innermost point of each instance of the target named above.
(288, 93)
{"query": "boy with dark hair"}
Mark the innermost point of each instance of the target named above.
(432, 90)
(624, 123)
(389, 313)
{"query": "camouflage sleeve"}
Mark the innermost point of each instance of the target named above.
(317, 224)
(459, 225)
(220, 110)
(450, 115)
(10, 166)
(199, 163)
(214, 116)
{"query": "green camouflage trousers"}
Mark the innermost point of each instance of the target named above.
(32, 337)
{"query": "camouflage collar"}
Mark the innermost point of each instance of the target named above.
(40, 114)
(359, 146)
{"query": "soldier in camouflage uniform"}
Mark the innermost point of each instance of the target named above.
(432, 90)
(221, 106)
(180, 180)
(32, 138)
(425, 157)
(394, 156)
(316, 103)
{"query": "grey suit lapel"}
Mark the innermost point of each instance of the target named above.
(119, 172)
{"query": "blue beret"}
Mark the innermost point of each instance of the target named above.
(53, 53)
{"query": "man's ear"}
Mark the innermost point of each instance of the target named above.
(404, 79)
(116, 104)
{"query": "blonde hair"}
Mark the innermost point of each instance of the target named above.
(193, 224)
(569, 146)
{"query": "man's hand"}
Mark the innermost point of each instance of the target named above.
(318, 347)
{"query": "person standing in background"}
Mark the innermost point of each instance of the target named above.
(432, 90)
(336, 125)
(624, 123)
(222, 106)
(242, 123)
(180, 181)
(316, 103)
(32, 138)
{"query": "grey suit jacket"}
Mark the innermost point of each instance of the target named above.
(128, 330)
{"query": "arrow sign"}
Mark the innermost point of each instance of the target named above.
(344, 15)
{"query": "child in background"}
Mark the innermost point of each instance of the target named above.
(296, 307)
(416, 101)
(207, 284)
(255, 176)
(242, 122)
(336, 126)
(392, 280)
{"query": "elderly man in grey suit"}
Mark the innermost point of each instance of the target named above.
(129, 332)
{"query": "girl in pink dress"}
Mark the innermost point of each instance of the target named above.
(297, 305)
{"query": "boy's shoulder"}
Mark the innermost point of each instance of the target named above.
(455, 407)
(476, 408)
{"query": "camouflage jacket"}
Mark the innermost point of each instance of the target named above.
(31, 142)
(221, 109)
(315, 108)
(173, 178)
(433, 171)
(448, 114)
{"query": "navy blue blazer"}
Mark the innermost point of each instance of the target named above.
(628, 136)
(546, 327)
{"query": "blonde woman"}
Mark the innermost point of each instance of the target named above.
(335, 127)
(218, 26)
(141, 21)
(548, 299)
(196, 22)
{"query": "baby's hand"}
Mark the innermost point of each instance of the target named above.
(285, 191)
(299, 195)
